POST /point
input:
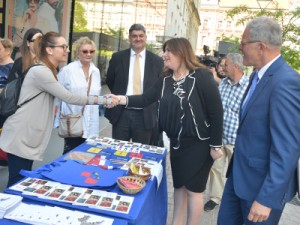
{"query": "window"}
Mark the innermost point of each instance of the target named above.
(228, 25)
(219, 24)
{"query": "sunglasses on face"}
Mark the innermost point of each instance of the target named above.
(88, 51)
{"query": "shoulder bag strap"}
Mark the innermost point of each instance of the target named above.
(23, 77)
(88, 90)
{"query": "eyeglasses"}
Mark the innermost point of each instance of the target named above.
(64, 47)
(88, 51)
(248, 42)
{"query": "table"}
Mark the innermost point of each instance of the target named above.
(150, 206)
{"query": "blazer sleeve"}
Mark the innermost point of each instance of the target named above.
(47, 82)
(151, 95)
(210, 95)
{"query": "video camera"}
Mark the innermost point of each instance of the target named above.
(209, 61)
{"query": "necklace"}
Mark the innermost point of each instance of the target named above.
(180, 77)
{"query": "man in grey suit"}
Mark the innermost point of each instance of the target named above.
(135, 124)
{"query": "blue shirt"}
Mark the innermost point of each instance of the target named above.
(4, 71)
(231, 95)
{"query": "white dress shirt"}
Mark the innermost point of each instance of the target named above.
(142, 59)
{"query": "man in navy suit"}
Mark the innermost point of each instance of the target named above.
(262, 173)
(139, 125)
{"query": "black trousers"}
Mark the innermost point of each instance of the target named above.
(15, 165)
(131, 126)
(71, 143)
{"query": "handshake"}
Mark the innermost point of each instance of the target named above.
(111, 100)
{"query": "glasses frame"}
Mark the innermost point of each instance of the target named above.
(88, 51)
(64, 47)
(248, 42)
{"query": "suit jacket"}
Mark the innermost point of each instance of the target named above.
(117, 81)
(267, 146)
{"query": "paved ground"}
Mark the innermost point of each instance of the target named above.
(291, 214)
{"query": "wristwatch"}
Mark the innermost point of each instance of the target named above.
(217, 148)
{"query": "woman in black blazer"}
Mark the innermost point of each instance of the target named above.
(191, 114)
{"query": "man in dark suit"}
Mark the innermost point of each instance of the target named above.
(262, 174)
(135, 124)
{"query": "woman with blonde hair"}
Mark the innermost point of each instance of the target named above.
(191, 114)
(26, 133)
(81, 76)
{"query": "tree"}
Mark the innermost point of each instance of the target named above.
(79, 18)
(288, 21)
(119, 33)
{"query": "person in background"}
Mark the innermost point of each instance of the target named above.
(135, 124)
(262, 172)
(30, 19)
(191, 114)
(47, 11)
(75, 77)
(219, 72)
(28, 57)
(232, 89)
(26, 133)
(6, 63)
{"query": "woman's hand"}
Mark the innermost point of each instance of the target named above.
(115, 100)
(216, 154)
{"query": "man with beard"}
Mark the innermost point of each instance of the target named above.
(219, 72)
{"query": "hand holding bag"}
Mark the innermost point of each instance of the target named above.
(71, 125)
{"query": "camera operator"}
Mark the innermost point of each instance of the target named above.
(218, 71)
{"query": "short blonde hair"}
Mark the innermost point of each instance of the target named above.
(80, 42)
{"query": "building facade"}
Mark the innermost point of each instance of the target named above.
(215, 25)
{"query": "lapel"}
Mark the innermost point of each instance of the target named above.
(125, 63)
(148, 76)
(262, 84)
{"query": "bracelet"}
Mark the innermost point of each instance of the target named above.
(91, 100)
(100, 100)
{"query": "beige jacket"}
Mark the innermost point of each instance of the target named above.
(27, 132)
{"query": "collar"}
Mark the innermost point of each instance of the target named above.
(142, 53)
(262, 71)
(243, 81)
(92, 66)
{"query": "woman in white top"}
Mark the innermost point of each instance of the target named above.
(75, 78)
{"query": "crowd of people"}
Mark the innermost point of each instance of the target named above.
(218, 120)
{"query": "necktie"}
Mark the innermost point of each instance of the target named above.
(137, 76)
(251, 90)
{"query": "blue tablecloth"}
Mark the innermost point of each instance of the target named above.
(150, 206)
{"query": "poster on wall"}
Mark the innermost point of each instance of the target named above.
(46, 15)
